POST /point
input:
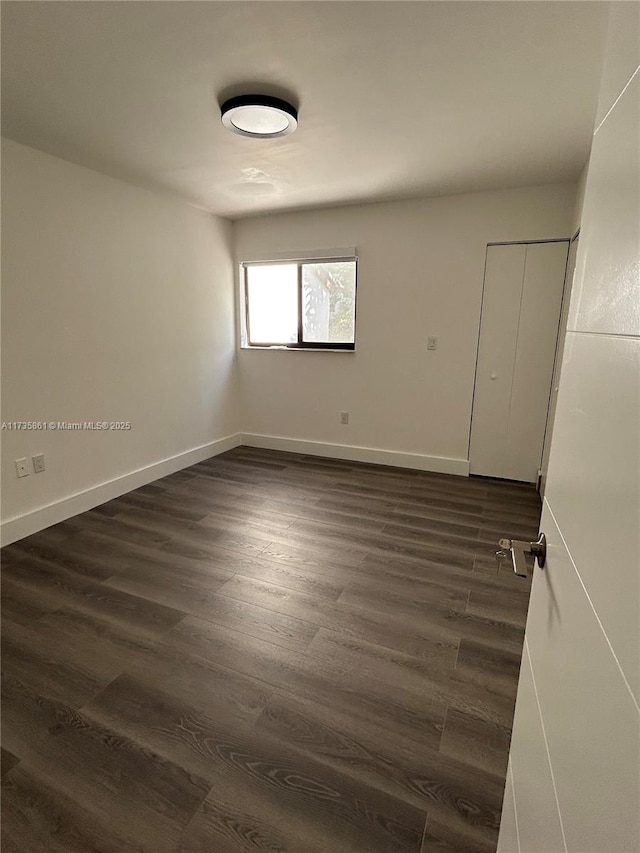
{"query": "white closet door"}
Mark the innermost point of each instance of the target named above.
(498, 336)
(519, 328)
(544, 270)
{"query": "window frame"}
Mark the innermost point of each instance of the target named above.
(300, 344)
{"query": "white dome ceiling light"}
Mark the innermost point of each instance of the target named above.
(259, 116)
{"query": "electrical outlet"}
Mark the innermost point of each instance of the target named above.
(38, 463)
(21, 468)
(432, 343)
(344, 417)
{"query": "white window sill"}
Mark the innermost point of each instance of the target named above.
(296, 349)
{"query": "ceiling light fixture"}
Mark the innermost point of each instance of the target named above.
(260, 116)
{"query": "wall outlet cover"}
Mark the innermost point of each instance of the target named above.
(21, 468)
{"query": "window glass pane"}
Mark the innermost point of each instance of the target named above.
(329, 302)
(273, 303)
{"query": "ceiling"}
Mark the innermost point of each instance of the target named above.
(396, 99)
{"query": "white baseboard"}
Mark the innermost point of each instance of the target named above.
(38, 519)
(419, 461)
(31, 522)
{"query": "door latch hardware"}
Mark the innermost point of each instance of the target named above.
(518, 550)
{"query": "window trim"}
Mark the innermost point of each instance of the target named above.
(300, 344)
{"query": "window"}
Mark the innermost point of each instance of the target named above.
(301, 304)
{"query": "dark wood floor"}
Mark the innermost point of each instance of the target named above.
(265, 652)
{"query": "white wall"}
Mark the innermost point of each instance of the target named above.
(118, 305)
(574, 782)
(420, 273)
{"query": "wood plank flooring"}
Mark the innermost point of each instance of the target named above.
(265, 652)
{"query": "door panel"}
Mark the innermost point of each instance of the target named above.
(508, 825)
(613, 238)
(594, 482)
(518, 332)
(498, 336)
(544, 272)
(589, 717)
(539, 825)
(583, 623)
